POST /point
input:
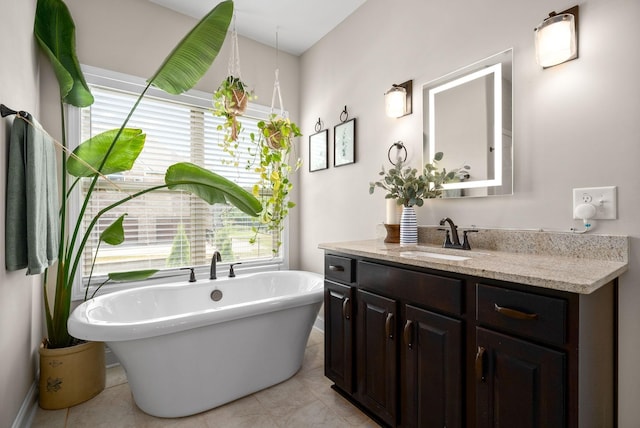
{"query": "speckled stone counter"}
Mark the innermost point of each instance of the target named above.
(560, 261)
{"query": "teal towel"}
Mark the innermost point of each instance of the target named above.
(31, 225)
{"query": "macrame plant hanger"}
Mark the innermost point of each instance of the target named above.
(276, 86)
(233, 68)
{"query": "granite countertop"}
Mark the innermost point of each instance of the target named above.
(581, 267)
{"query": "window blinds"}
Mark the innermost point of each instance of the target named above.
(168, 229)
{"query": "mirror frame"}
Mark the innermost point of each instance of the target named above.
(492, 65)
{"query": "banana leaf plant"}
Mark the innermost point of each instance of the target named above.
(117, 150)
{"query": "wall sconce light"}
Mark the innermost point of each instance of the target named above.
(397, 100)
(557, 38)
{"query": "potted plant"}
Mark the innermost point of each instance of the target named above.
(409, 189)
(274, 145)
(108, 153)
(230, 101)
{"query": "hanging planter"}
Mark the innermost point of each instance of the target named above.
(230, 101)
(232, 96)
(275, 143)
(278, 132)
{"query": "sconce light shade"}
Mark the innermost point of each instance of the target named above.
(557, 38)
(397, 100)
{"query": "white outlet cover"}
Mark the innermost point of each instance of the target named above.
(603, 198)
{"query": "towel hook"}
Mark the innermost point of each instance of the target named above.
(6, 111)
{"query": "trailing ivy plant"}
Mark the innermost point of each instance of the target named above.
(274, 145)
(230, 101)
(117, 150)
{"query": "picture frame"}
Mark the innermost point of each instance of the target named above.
(318, 150)
(344, 143)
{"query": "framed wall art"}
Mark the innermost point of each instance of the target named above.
(318, 151)
(344, 143)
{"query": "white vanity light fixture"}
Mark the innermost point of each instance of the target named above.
(557, 38)
(397, 100)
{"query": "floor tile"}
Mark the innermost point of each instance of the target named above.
(112, 407)
(305, 400)
(50, 418)
(115, 376)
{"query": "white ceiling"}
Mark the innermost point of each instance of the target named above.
(299, 23)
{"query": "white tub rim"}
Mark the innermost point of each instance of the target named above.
(82, 326)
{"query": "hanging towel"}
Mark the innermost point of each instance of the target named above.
(32, 204)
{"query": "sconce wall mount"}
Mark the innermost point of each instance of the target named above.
(556, 38)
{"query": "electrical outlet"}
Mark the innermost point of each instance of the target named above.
(603, 198)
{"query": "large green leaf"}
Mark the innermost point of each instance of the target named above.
(114, 234)
(210, 187)
(193, 56)
(136, 275)
(55, 32)
(92, 152)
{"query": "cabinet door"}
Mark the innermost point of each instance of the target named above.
(519, 384)
(376, 354)
(338, 344)
(431, 370)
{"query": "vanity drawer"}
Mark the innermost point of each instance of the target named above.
(338, 268)
(524, 314)
(428, 291)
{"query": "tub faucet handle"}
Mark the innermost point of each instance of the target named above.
(232, 274)
(192, 275)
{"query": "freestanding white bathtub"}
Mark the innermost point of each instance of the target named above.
(185, 353)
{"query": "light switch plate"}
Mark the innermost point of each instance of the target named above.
(603, 198)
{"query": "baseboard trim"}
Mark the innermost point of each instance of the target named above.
(28, 409)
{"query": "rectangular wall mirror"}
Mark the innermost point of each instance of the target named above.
(468, 115)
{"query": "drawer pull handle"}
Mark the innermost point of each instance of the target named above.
(346, 312)
(388, 327)
(512, 313)
(480, 364)
(334, 268)
(408, 334)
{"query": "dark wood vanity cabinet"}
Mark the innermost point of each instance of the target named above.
(519, 384)
(339, 321)
(431, 370)
(376, 354)
(415, 348)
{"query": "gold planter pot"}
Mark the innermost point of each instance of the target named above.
(70, 376)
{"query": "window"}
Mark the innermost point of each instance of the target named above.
(166, 229)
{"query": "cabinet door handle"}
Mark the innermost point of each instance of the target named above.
(480, 364)
(388, 325)
(346, 312)
(408, 334)
(334, 268)
(513, 313)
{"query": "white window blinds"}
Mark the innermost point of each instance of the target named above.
(166, 229)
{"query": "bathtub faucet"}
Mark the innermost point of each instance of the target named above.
(215, 258)
(232, 274)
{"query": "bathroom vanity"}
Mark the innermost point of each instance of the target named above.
(422, 336)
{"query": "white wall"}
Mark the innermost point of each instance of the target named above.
(576, 125)
(20, 295)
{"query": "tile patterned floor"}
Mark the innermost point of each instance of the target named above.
(305, 400)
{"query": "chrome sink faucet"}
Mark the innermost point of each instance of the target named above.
(215, 258)
(454, 236)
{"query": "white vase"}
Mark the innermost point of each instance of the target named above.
(408, 226)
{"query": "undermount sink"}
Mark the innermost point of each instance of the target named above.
(427, 254)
